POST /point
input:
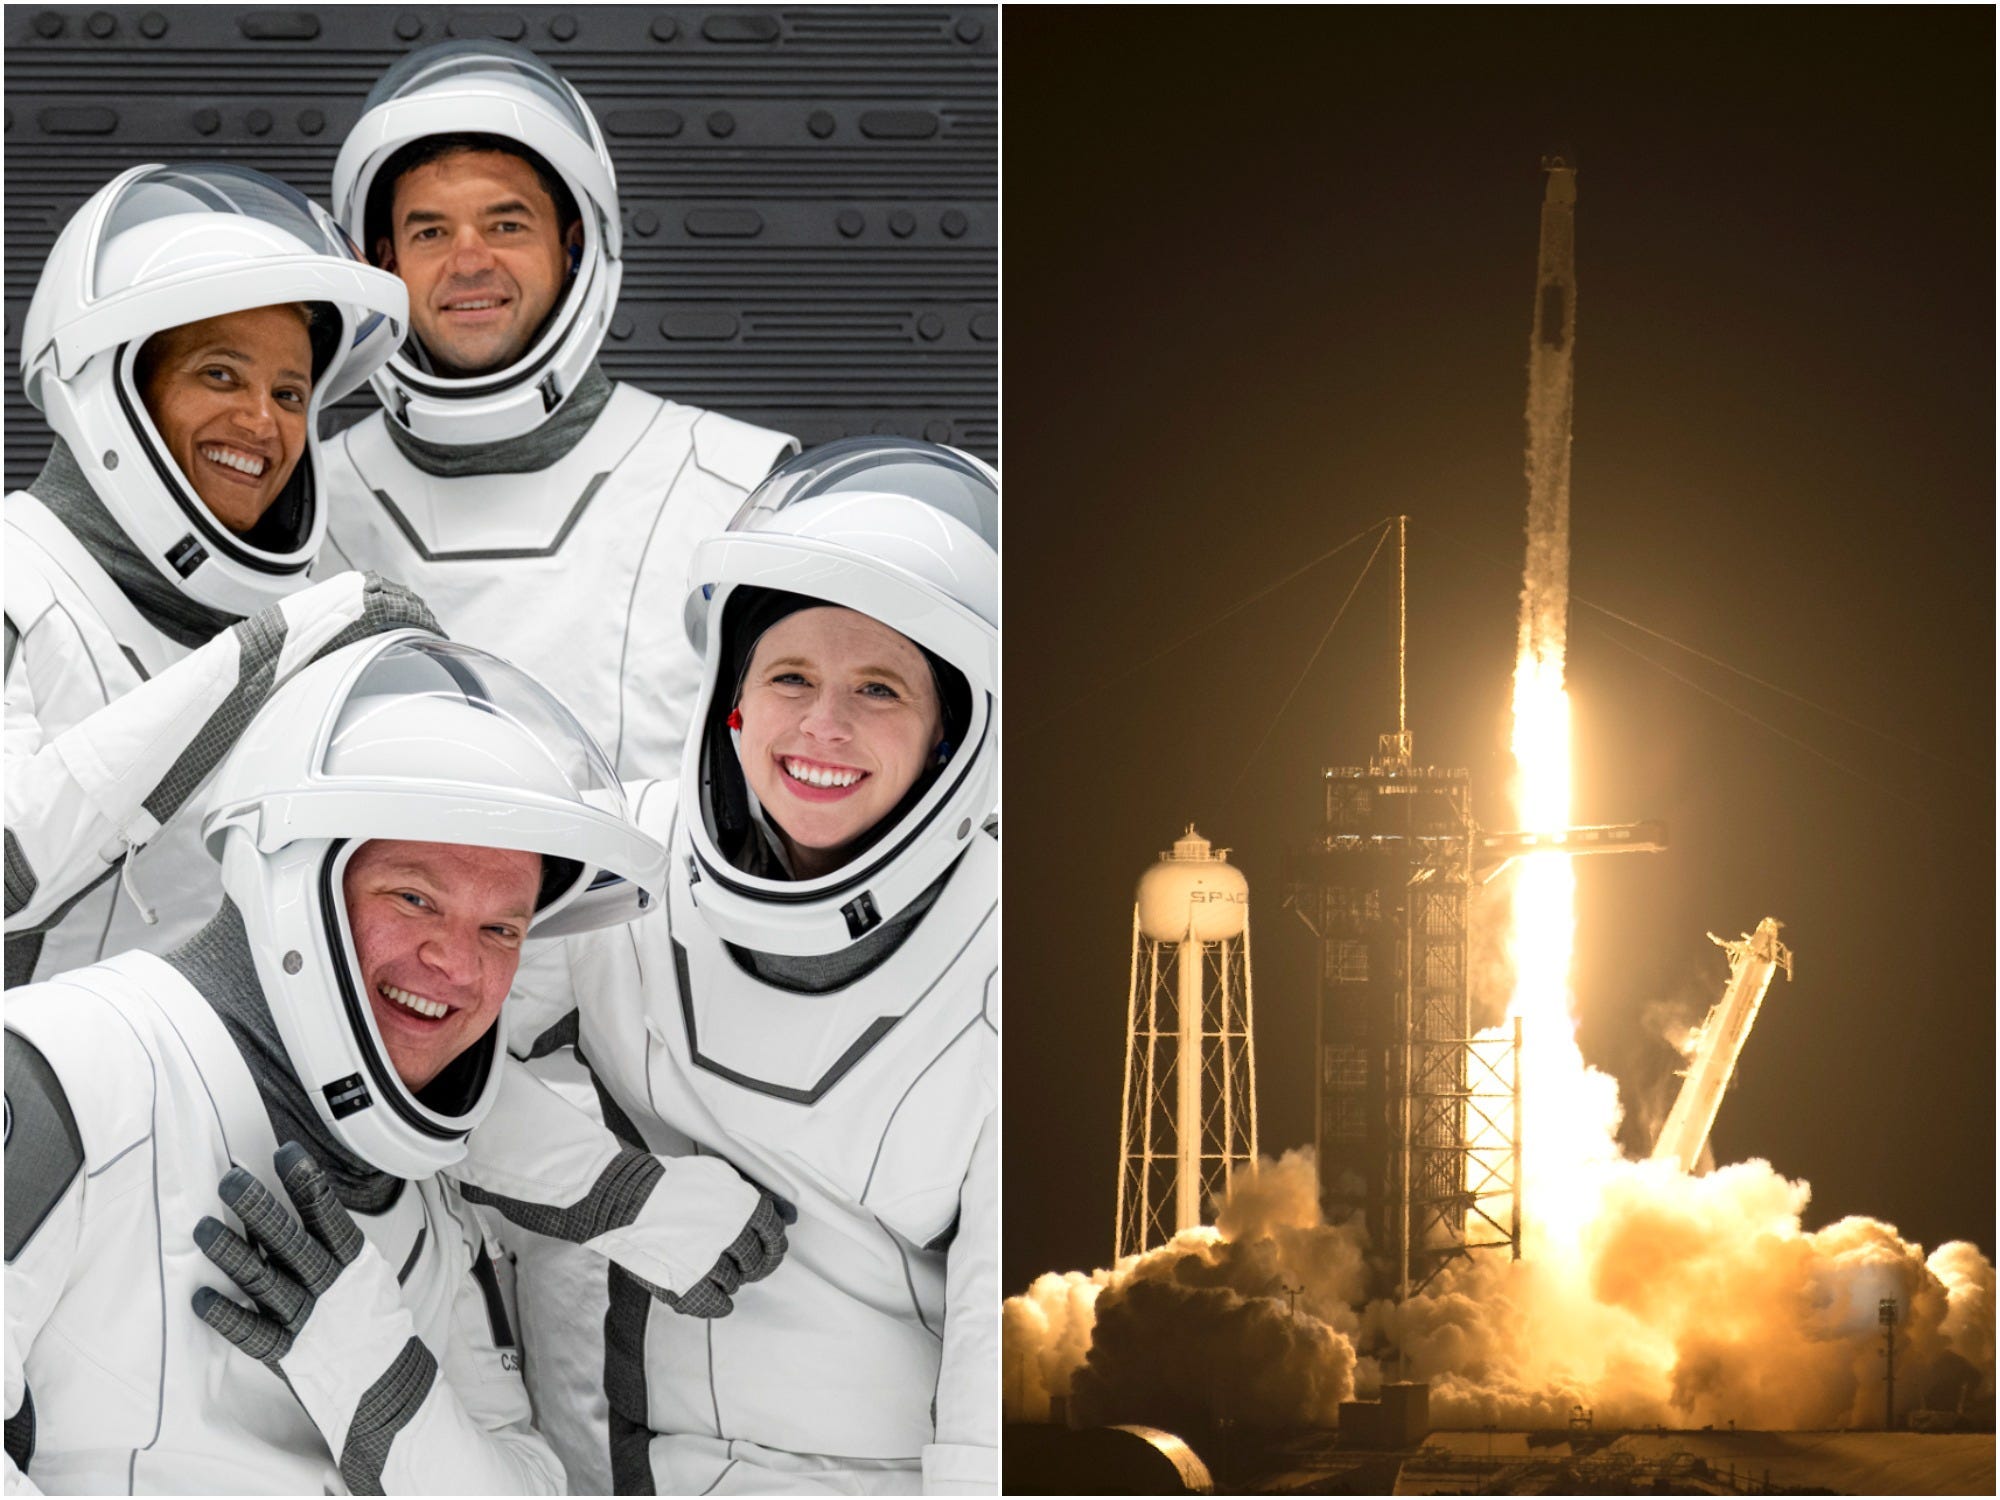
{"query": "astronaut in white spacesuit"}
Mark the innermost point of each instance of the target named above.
(816, 1004)
(389, 828)
(190, 325)
(185, 335)
(346, 997)
(541, 509)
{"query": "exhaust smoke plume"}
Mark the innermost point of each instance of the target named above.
(1204, 1326)
(1679, 1301)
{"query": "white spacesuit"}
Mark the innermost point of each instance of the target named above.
(834, 1037)
(117, 569)
(540, 509)
(136, 1086)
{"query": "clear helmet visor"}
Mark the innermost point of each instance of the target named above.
(472, 65)
(175, 207)
(950, 482)
(164, 194)
(437, 712)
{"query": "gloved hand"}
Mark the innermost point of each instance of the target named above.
(334, 612)
(547, 1166)
(273, 644)
(751, 1256)
(330, 1317)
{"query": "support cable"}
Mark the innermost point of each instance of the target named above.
(1300, 680)
(1235, 609)
(1838, 765)
(1831, 713)
(1747, 676)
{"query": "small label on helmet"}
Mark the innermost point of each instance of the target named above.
(861, 914)
(346, 1095)
(186, 555)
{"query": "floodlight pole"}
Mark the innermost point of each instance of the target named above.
(1886, 1312)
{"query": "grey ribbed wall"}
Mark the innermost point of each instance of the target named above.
(810, 194)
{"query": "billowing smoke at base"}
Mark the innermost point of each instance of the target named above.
(1205, 1326)
(1680, 1301)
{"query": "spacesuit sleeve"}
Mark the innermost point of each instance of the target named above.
(76, 801)
(474, 1433)
(44, 1228)
(543, 1164)
(965, 1459)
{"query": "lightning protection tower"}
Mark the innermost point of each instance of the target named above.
(1190, 1116)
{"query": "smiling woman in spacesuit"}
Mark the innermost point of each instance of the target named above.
(188, 329)
(837, 718)
(816, 1004)
(228, 395)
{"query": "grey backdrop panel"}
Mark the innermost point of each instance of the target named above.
(810, 195)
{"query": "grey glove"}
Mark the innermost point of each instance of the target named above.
(274, 643)
(287, 1263)
(329, 1313)
(751, 1256)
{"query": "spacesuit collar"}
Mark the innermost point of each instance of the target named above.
(62, 487)
(217, 962)
(529, 453)
(819, 973)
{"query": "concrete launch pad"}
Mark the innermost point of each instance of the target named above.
(1663, 1462)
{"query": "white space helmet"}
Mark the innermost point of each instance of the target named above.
(407, 736)
(161, 246)
(906, 533)
(490, 88)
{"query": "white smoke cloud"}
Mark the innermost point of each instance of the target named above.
(1205, 1327)
(1679, 1300)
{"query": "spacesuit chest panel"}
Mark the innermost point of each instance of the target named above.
(130, 1387)
(855, 1090)
(83, 646)
(383, 505)
(575, 572)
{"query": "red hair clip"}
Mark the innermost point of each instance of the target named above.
(735, 719)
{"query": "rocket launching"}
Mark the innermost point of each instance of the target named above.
(1551, 385)
(1645, 1293)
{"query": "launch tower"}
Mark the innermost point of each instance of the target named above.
(1417, 1122)
(1190, 1113)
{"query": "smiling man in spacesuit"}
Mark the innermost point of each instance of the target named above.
(816, 1004)
(539, 508)
(389, 829)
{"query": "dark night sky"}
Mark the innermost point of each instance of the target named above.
(1269, 278)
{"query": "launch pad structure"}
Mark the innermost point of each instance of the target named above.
(1417, 1120)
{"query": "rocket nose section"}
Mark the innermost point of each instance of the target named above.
(1560, 164)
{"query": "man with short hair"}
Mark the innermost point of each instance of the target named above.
(389, 828)
(539, 508)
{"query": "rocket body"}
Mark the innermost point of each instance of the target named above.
(1551, 371)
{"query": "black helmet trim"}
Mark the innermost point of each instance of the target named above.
(218, 536)
(964, 760)
(389, 1089)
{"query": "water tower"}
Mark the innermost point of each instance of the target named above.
(1190, 1117)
